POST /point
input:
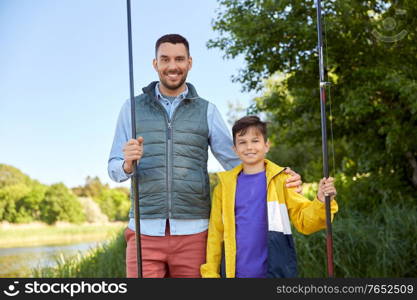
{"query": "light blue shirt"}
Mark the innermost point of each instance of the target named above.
(220, 141)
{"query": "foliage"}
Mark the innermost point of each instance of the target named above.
(373, 95)
(381, 246)
(372, 106)
(114, 203)
(29, 206)
(92, 211)
(92, 188)
(10, 175)
(24, 200)
(20, 196)
(60, 204)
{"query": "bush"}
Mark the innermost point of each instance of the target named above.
(381, 245)
(366, 193)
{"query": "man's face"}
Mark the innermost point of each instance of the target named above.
(251, 147)
(172, 64)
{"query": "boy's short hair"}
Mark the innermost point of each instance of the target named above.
(173, 39)
(241, 127)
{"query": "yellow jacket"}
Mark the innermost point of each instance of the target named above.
(282, 204)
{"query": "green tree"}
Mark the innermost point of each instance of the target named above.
(28, 207)
(10, 175)
(114, 203)
(92, 188)
(374, 89)
(60, 204)
(20, 196)
(9, 196)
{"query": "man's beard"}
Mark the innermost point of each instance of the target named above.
(175, 86)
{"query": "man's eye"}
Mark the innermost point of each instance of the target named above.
(180, 59)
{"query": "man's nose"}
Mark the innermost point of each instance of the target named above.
(172, 65)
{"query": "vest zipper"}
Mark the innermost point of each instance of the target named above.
(169, 162)
(169, 152)
(170, 156)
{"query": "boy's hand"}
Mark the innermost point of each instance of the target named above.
(133, 150)
(294, 180)
(326, 188)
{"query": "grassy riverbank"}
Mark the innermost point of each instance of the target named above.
(105, 261)
(39, 234)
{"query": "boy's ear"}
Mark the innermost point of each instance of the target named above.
(234, 149)
(267, 145)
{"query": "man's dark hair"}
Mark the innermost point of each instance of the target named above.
(242, 125)
(173, 39)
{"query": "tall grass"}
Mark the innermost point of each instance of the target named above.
(383, 244)
(105, 261)
(38, 234)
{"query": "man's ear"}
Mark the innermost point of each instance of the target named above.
(155, 64)
(190, 63)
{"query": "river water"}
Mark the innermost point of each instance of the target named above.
(19, 262)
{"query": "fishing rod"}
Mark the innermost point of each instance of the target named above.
(135, 186)
(323, 84)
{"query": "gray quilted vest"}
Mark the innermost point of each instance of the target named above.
(172, 174)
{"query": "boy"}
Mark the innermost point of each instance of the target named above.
(251, 208)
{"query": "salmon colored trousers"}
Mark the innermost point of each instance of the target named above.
(174, 256)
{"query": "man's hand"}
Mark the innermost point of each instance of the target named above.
(294, 180)
(326, 188)
(133, 150)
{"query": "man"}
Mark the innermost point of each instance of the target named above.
(174, 129)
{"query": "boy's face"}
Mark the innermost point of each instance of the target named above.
(251, 147)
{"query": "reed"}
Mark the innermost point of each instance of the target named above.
(105, 261)
(39, 234)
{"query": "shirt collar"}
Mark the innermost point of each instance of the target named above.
(180, 97)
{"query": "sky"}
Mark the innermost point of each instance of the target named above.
(64, 76)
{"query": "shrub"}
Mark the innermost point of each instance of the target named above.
(380, 245)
